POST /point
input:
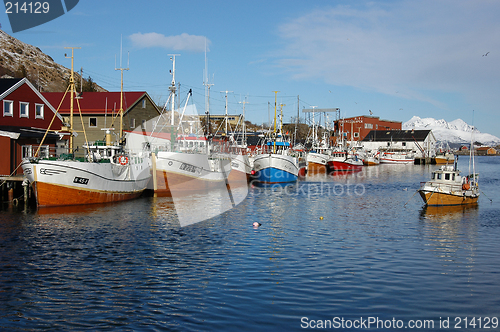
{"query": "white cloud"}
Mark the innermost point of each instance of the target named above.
(409, 48)
(182, 42)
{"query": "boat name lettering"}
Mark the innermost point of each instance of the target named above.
(80, 180)
(187, 167)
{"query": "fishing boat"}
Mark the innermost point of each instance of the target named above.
(444, 155)
(317, 158)
(445, 158)
(183, 163)
(447, 187)
(106, 173)
(275, 164)
(371, 158)
(397, 157)
(345, 161)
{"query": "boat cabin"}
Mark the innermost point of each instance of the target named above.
(446, 174)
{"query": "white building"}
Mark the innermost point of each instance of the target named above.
(422, 142)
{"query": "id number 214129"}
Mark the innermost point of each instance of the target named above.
(27, 7)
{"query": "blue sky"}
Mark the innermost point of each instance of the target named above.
(395, 58)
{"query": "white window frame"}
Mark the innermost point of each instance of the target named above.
(29, 150)
(144, 103)
(90, 125)
(10, 108)
(42, 111)
(132, 123)
(21, 114)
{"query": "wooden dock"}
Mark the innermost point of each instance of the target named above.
(13, 190)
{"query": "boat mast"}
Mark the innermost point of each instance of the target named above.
(207, 93)
(72, 92)
(172, 87)
(225, 116)
(121, 91)
(274, 132)
(172, 99)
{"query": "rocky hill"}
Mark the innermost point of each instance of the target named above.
(18, 59)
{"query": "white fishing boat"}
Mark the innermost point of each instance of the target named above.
(319, 155)
(275, 164)
(183, 163)
(106, 173)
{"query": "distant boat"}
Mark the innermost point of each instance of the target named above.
(445, 158)
(107, 172)
(371, 158)
(344, 161)
(397, 157)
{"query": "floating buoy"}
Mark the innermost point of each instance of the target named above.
(320, 218)
(256, 224)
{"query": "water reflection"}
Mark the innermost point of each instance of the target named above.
(185, 210)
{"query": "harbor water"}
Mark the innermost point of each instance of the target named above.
(346, 252)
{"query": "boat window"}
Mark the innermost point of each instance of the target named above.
(447, 176)
(439, 176)
(453, 177)
(433, 176)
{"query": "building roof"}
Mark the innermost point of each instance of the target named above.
(396, 135)
(8, 85)
(99, 103)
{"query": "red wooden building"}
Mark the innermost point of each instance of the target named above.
(356, 128)
(24, 117)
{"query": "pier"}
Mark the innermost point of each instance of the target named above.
(14, 190)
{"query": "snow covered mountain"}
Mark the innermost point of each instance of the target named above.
(456, 131)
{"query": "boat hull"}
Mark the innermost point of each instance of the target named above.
(177, 173)
(442, 160)
(60, 183)
(342, 166)
(433, 198)
(317, 163)
(275, 168)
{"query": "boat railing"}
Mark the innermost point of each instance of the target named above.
(443, 186)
